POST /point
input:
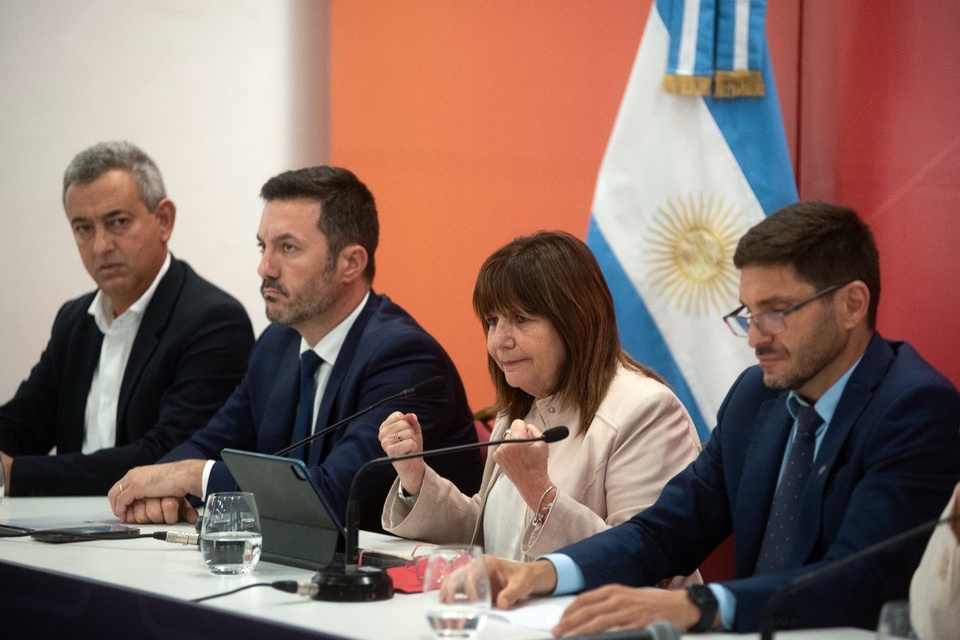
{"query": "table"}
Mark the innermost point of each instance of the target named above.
(140, 588)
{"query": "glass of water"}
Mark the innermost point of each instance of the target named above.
(456, 590)
(895, 621)
(230, 536)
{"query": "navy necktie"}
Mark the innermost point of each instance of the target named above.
(782, 523)
(309, 363)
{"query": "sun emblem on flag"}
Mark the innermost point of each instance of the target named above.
(690, 247)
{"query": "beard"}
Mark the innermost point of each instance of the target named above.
(808, 359)
(301, 307)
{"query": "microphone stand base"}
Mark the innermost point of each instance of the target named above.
(352, 583)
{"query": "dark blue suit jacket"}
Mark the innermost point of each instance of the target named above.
(385, 351)
(888, 461)
(189, 353)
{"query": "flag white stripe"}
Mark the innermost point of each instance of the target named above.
(741, 42)
(687, 53)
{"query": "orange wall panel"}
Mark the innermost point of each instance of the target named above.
(473, 123)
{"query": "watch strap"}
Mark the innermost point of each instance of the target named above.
(702, 596)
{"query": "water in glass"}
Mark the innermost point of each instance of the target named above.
(456, 591)
(230, 537)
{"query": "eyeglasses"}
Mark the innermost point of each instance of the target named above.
(770, 323)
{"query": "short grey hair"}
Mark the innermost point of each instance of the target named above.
(91, 163)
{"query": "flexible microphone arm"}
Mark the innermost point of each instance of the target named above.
(768, 620)
(428, 387)
(353, 583)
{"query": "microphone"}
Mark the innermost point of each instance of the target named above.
(768, 619)
(658, 630)
(353, 583)
(428, 387)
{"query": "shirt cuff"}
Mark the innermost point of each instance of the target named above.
(727, 602)
(207, 468)
(569, 575)
(404, 498)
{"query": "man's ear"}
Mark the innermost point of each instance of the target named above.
(352, 262)
(166, 213)
(854, 303)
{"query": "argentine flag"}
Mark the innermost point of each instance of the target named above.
(697, 156)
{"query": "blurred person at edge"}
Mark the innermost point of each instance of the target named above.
(935, 588)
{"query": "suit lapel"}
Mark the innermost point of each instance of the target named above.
(761, 469)
(155, 320)
(854, 400)
(77, 379)
(281, 408)
(325, 414)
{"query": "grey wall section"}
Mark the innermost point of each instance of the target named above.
(222, 94)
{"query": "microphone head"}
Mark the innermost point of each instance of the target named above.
(555, 434)
(436, 384)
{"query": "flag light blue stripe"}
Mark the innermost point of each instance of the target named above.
(758, 52)
(705, 46)
(764, 160)
(639, 334)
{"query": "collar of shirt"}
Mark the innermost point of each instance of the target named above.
(102, 310)
(825, 407)
(827, 404)
(329, 346)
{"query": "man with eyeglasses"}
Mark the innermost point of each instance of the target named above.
(837, 440)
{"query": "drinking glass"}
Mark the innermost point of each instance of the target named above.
(895, 621)
(230, 537)
(456, 590)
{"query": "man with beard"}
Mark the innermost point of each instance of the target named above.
(837, 440)
(317, 237)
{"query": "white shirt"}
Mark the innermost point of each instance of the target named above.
(119, 332)
(328, 349)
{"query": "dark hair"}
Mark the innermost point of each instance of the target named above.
(554, 275)
(348, 213)
(827, 244)
(91, 163)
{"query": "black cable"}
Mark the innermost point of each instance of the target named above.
(228, 593)
(178, 537)
(288, 586)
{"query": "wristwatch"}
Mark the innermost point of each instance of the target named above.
(703, 598)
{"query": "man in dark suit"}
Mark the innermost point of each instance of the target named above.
(132, 369)
(318, 234)
(837, 440)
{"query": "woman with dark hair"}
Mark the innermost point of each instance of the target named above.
(555, 359)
